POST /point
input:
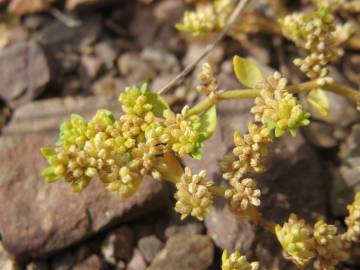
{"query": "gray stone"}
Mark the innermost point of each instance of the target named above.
(137, 262)
(24, 72)
(149, 246)
(93, 262)
(185, 252)
(346, 177)
(118, 245)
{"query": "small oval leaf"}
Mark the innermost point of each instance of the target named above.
(319, 101)
(248, 73)
(208, 122)
(159, 104)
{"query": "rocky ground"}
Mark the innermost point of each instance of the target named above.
(51, 66)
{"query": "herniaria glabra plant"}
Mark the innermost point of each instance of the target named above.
(149, 138)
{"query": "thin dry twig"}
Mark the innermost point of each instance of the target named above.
(235, 14)
(65, 18)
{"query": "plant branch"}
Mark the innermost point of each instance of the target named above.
(207, 103)
(235, 14)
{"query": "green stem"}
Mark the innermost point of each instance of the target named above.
(207, 103)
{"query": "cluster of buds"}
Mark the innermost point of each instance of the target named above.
(209, 84)
(353, 220)
(237, 262)
(329, 246)
(120, 152)
(295, 236)
(243, 193)
(320, 36)
(301, 243)
(193, 195)
(208, 16)
(248, 153)
(278, 109)
(342, 5)
(182, 132)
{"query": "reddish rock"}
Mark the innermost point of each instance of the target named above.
(38, 218)
(185, 252)
(137, 261)
(149, 246)
(92, 263)
(24, 72)
(22, 7)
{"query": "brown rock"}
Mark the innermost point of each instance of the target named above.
(91, 263)
(137, 261)
(135, 69)
(170, 11)
(184, 252)
(24, 72)
(22, 7)
(149, 246)
(51, 217)
(346, 179)
(91, 65)
(72, 5)
(37, 265)
(118, 245)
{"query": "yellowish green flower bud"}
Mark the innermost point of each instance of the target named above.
(193, 195)
(243, 193)
(208, 16)
(353, 220)
(249, 152)
(237, 262)
(329, 246)
(295, 237)
(278, 109)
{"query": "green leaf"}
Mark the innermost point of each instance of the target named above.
(320, 101)
(50, 175)
(143, 89)
(47, 152)
(279, 132)
(248, 73)
(196, 154)
(208, 122)
(159, 104)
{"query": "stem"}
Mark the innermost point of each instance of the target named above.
(235, 14)
(344, 91)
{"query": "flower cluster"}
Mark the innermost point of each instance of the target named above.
(243, 193)
(208, 16)
(353, 220)
(237, 262)
(343, 5)
(301, 243)
(248, 153)
(317, 33)
(209, 84)
(193, 195)
(278, 109)
(330, 248)
(121, 152)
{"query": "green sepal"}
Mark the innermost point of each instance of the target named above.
(50, 175)
(319, 101)
(208, 123)
(248, 73)
(196, 154)
(158, 103)
(47, 152)
(80, 184)
(279, 132)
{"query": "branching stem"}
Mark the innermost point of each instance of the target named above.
(235, 14)
(344, 91)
